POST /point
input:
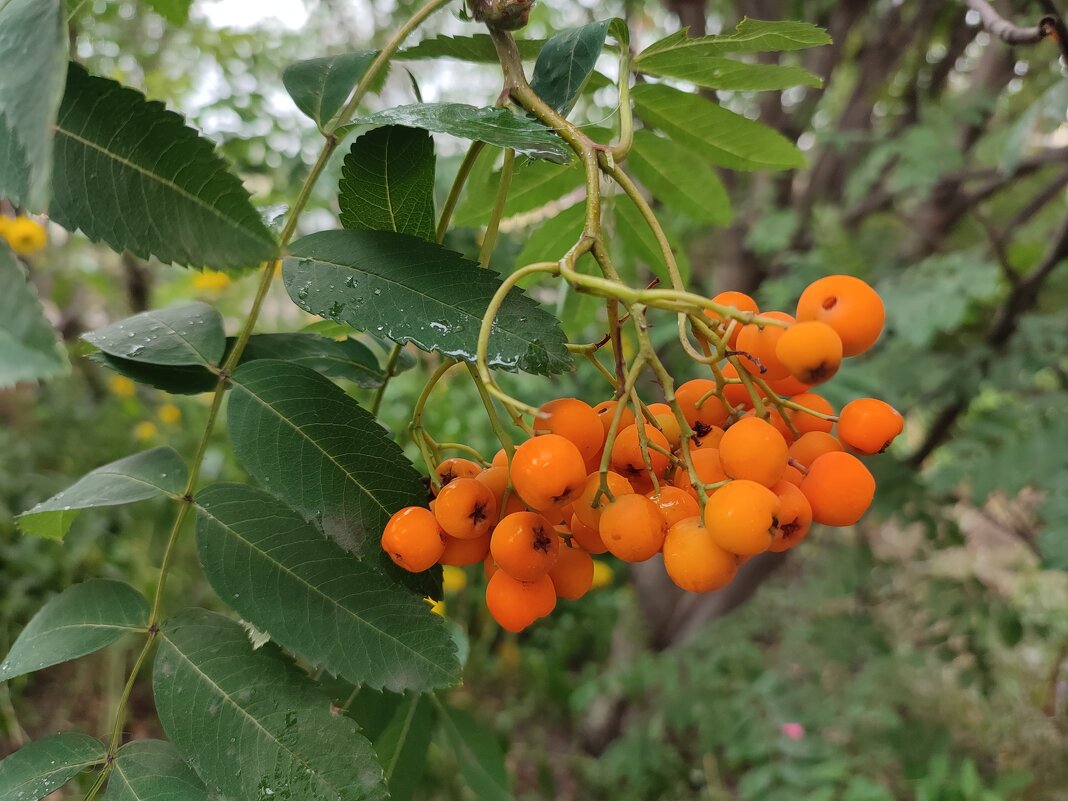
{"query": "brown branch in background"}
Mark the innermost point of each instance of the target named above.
(1007, 31)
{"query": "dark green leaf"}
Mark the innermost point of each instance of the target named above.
(151, 770)
(80, 620)
(280, 573)
(320, 86)
(318, 450)
(478, 48)
(479, 754)
(751, 36)
(149, 474)
(387, 182)
(717, 72)
(554, 237)
(415, 291)
(723, 137)
(29, 349)
(175, 380)
(175, 12)
(176, 336)
(494, 126)
(680, 178)
(533, 185)
(346, 359)
(43, 766)
(402, 747)
(33, 61)
(166, 194)
(565, 63)
(252, 725)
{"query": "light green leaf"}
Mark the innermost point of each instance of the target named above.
(320, 86)
(411, 290)
(641, 244)
(479, 754)
(387, 182)
(554, 236)
(492, 125)
(318, 450)
(477, 48)
(33, 61)
(80, 620)
(751, 36)
(149, 474)
(346, 359)
(29, 349)
(43, 766)
(175, 12)
(565, 63)
(251, 724)
(680, 178)
(723, 137)
(152, 770)
(311, 597)
(534, 184)
(717, 72)
(402, 747)
(179, 336)
(128, 172)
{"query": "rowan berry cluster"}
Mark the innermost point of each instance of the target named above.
(729, 467)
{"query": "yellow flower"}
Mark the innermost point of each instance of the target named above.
(211, 281)
(122, 386)
(453, 579)
(603, 575)
(145, 431)
(24, 235)
(437, 607)
(169, 414)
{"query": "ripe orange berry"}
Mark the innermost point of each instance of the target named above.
(788, 387)
(752, 449)
(707, 465)
(795, 517)
(456, 468)
(775, 420)
(524, 545)
(465, 508)
(675, 504)
(812, 445)
(869, 425)
(839, 487)
(589, 539)
(516, 604)
(584, 509)
(740, 301)
(760, 344)
(735, 393)
(805, 422)
(667, 423)
(547, 471)
(413, 539)
(694, 561)
(811, 351)
(461, 553)
(711, 411)
(607, 409)
(489, 566)
(500, 459)
(627, 456)
(742, 517)
(849, 306)
(632, 528)
(709, 440)
(793, 475)
(573, 420)
(496, 478)
(572, 575)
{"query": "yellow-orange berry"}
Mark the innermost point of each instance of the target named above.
(496, 478)
(628, 458)
(701, 412)
(575, 421)
(735, 392)
(752, 449)
(516, 604)
(849, 306)
(572, 575)
(709, 440)
(757, 347)
(500, 459)
(788, 387)
(742, 517)
(524, 545)
(589, 539)
(413, 539)
(632, 528)
(805, 422)
(461, 553)
(675, 504)
(811, 351)
(794, 518)
(583, 506)
(456, 467)
(739, 300)
(839, 487)
(694, 561)
(707, 465)
(667, 423)
(606, 411)
(465, 508)
(812, 445)
(869, 425)
(547, 471)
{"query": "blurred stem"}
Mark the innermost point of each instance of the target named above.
(462, 174)
(489, 240)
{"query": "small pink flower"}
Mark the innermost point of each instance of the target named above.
(795, 731)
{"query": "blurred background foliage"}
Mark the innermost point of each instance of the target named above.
(921, 656)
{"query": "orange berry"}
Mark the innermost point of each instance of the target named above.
(752, 449)
(489, 566)
(839, 487)
(694, 561)
(572, 575)
(573, 420)
(811, 351)
(740, 301)
(735, 393)
(805, 422)
(760, 344)
(632, 528)
(413, 539)
(812, 445)
(456, 468)
(675, 504)
(589, 539)
(775, 420)
(607, 409)
(500, 459)
(709, 440)
(627, 456)
(667, 423)
(849, 306)
(584, 509)
(465, 508)
(496, 478)
(524, 545)
(741, 517)
(547, 471)
(516, 604)
(869, 425)
(793, 475)
(795, 517)
(711, 411)
(788, 387)
(461, 553)
(707, 465)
